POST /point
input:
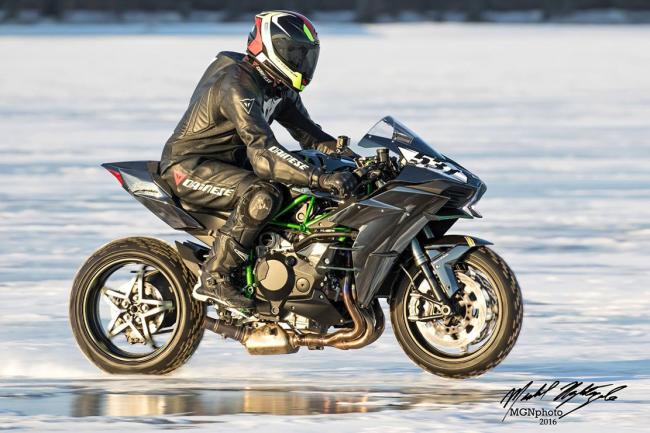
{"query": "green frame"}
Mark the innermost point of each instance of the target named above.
(304, 227)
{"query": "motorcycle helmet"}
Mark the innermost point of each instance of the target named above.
(286, 46)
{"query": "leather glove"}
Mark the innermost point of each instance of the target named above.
(327, 147)
(342, 183)
(332, 148)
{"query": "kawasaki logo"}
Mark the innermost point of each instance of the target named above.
(289, 158)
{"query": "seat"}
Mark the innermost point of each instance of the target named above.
(209, 218)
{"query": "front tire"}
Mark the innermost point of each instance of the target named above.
(129, 296)
(429, 343)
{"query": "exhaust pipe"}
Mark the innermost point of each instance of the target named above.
(374, 323)
(238, 333)
(380, 323)
(368, 325)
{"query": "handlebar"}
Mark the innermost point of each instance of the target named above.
(371, 169)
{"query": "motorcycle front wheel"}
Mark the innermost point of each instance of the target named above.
(131, 308)
(481, 331)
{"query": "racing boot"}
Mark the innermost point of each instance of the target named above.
(215, 283)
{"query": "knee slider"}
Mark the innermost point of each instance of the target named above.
(263, 201)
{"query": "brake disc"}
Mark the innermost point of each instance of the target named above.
(460, 330)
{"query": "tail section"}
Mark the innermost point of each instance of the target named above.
(142, 181)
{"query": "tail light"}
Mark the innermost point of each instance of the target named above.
(117, 175)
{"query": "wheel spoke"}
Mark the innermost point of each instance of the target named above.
(427, 298)
(425, 318)
(148, 338)
(154, 302)
(107, 291)
(112, 322)
(166, 330)
(168, 305)
(139, 280)
(113, 331)
(135, 329)
(152, 342)
(112, 299)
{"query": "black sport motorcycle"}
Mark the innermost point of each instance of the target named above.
(317, 271)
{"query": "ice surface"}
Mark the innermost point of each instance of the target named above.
(555, 119)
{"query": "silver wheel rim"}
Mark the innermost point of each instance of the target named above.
(462, 335)
(131, 309)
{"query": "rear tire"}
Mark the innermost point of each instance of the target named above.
(187, 314)
(499, 344)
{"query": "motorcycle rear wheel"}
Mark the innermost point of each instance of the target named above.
(153, 303)
(432, 344)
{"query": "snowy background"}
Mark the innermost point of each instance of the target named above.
(554, 118)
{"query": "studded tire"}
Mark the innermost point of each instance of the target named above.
(189, 324)
(503, 340)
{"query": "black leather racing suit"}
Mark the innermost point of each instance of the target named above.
(223, 152)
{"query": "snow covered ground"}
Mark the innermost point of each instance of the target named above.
(555, 119)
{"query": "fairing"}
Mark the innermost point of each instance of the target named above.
(429, 189)
(413, 151)
(141, 180)
(387, 222)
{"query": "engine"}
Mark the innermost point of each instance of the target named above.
(296, 285)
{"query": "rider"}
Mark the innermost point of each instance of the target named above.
(223, 154)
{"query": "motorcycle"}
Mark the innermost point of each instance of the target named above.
(316, 273)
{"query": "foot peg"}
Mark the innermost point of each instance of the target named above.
(219, 290)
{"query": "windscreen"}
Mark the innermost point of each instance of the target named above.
(395, 136)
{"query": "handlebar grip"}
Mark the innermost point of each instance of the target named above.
(342, 142)
(361, 171)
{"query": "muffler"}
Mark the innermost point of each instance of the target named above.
(268, 339)
(238, 333)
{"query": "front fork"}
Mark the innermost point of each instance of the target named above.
(422, 262)
(437, 268)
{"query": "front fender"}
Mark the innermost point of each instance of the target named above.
(454, 240)
(445, 252)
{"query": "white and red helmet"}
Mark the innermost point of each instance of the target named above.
(286, 45)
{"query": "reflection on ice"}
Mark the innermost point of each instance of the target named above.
(87, 402)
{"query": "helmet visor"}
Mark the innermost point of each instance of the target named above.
(300, 57)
